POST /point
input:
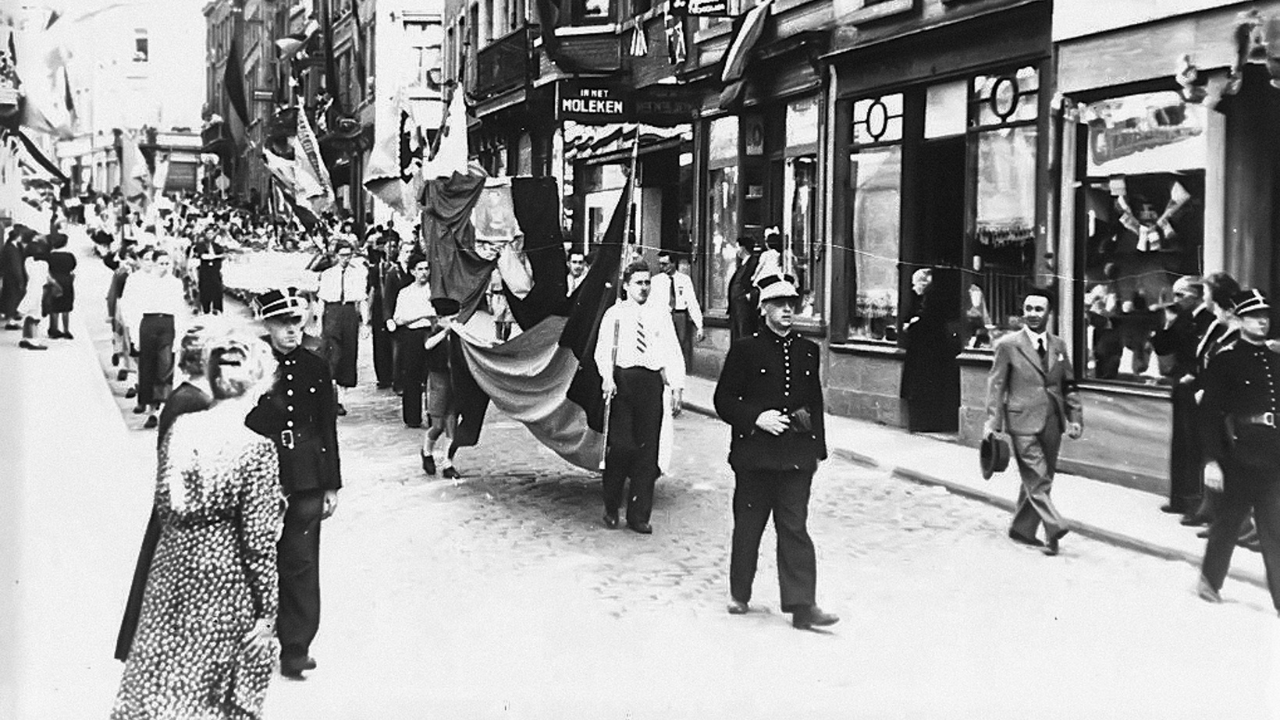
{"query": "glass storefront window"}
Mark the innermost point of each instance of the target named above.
(876, 175)
(722, 229)
(800, 251)
(1004, 254)
(1142, 209)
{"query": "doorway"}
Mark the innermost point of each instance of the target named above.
(931, 374)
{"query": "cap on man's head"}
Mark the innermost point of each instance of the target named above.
(445, 307)
(777, 287)
(282, 303)
(1249, 301)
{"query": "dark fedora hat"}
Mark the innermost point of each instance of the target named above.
(994, 455)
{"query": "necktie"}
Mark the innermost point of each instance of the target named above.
(342, 285)
(1043, 353)
(641, 342)
(671, 296)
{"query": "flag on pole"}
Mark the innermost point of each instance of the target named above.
(162, 174)
(233, 82)
(311, 177)
(135, 177)
(452, 152)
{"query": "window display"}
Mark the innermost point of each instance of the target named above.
(1142, 209)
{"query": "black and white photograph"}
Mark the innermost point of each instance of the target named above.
(639, 359)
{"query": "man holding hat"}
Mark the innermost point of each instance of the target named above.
(1031, 394)
(299, 414)
(771, 395)
(1242, 443)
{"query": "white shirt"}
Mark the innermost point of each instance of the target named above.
(574, 282)
(413, 306)
(685, 298)
(349, 286)
(1038, 339)
(662, 350)
(145, 294)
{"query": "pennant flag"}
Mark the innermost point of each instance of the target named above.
(452, 152)
(281, 169)
(161, 176)
(233, 81)
(384, 175)
(735, 58)
(135, 178)
(546, 377)
(40, 65)
(311, 177)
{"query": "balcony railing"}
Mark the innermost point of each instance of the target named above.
(504, 63)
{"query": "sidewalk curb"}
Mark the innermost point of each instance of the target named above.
(1093, 532)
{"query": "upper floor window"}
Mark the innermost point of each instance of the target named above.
(590, 12)
(141, 49)
(425, 41)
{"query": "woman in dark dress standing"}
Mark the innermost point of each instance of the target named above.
(930, 373)
(62, 270)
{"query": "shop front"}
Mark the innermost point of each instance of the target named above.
(1160, 179)
(939, 158)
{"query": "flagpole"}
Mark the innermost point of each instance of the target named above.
(626, 239)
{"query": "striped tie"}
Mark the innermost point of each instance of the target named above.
(641, 343)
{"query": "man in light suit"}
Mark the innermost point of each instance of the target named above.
(1031, 394)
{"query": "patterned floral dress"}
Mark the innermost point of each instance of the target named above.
(213, 576)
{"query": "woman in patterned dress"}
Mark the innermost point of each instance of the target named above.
(205, 645)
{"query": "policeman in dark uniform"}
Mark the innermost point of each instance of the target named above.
(299, 413)
(1241, 404)
(770, 393)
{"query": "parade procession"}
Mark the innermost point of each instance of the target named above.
(639, 359)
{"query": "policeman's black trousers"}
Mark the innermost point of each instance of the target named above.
(209, 285)
(635, 424)
(1246, 488)
(155, 359)
(412, 375)
(299, 563)
(784, 494)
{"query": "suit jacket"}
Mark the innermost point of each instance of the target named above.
(1021, 393)
(767, 372)
(394, 279)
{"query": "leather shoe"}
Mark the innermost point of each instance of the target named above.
(292, 667)
(611, 520)
(151, 423)
(1194, 520)
(341, 410)
(1172, 509)
(122, 375)
(812, 617)
(1206, 591)
(1051, 545)
(139, 409)
(1023, 540)
(29, 345)
(738, 607)
(451, 473)
(428, 464)
(1203, 533)
(643, 528)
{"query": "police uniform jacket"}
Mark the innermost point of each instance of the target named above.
(299, 414)
(767, 371)
(1239, 407)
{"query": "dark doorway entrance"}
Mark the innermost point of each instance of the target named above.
(931, 374)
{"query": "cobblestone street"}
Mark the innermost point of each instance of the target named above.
(502, 595)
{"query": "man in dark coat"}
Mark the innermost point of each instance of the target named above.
(13, 275)
(770, 393)
(1241, 438)
(383, 343)
(1186, 320)
(299, 414)
(744, 314)
(396, 277)
(210, 253)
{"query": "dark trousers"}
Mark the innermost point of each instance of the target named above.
(1186, 461)
(299, 563)
(684, 332)
(1037, 461)
(1245, 489)
(155, 359)
(383, 347)
(340, 327)
(635, 422)
(412, 372)
(210, 289)
(785, 495)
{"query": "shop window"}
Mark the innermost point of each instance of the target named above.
(875, 167)
(1003, 250)
(722, 210)
(1141, 210)
(802, 253)
(591, 12)
(141, 46)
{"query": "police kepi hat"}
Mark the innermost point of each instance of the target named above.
(993, 455)
(776, 288)
(282, 303)
(1249, 301)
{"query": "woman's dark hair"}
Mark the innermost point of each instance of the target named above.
(57, 241)
(1221, 287)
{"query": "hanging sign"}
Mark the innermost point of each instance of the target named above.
(590, 102)
(700, 8)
